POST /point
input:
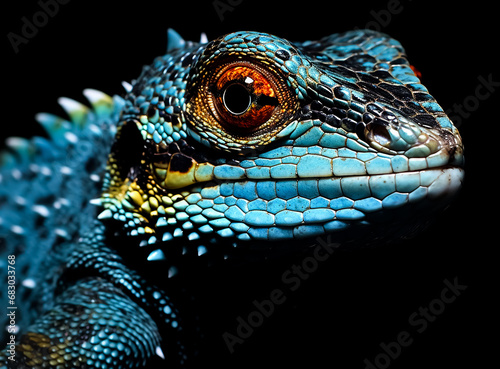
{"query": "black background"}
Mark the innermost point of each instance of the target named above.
(355, 300)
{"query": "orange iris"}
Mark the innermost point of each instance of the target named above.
(244, 98)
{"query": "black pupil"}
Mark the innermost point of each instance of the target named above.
(237, 99)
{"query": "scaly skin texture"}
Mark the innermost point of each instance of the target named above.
(237, 149)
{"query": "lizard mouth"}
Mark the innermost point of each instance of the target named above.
(219, 220)
(341, 183)
(180, 165)
(175, 168)
(183, 197)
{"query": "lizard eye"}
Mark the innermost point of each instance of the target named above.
(244, 98)
(239, 103)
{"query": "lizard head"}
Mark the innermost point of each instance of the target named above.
(250, 139)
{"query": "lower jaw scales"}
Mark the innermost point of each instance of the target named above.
(447, 183)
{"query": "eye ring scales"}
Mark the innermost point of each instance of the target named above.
(242, 103)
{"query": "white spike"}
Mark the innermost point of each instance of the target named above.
(202, 250)
(16, 143)
(70, 105)
(127, 86)
(21, 201)
(172, 271)
(106, 214)
(53, 125)
(65, 170)
(156, 255)
(97, 202)
(61, 233)
(95, 96)
(17, 229)
(41, 210)
(159, 352)
(71, 137)
(29, 283)
(203, 38)
(94, 177)
(16, 174)
(193, 236)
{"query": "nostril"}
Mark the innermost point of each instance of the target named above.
(378, 133)
(448, 137)
(381, 135)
